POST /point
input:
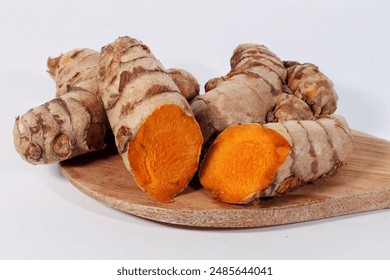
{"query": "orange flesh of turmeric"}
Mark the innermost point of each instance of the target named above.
(312, 93)
(164, 154)
(242, 161)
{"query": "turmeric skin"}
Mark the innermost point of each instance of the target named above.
(254, 91)
(289, 107)
(246, 94)
(307, 82)
(186, 82)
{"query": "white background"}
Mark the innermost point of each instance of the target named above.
(42, 216)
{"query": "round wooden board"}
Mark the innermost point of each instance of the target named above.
(362, 184)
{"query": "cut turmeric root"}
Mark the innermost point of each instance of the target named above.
(75, 122)
(252, 160)
(155, 131)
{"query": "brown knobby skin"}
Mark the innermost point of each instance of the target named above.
(249, 161)
(246, 94)
(154, 128)
(308, 83)
(72, 124)
(289, 107)
(249, 93)
(286, 106)
(186, 82)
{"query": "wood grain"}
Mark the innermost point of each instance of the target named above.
(362, 184)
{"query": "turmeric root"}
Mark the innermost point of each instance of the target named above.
(308, 83)
(75, 122)
(260, 89)
(252, 160)
(247, 94)
(72, 124)
(154, 128)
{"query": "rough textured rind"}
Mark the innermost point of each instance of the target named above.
(246, 94)
(307, 82)
(186, 82)
(72, 124)
(133, 85)
(289, 107)
(319, 148)
(75, 69)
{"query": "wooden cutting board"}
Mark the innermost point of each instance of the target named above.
(362, 184)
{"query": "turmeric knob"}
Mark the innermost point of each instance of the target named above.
(307, 82)
(72, 124)
(186, 82)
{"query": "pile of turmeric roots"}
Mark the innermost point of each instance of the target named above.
(263, 129)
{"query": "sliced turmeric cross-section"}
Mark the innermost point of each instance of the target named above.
(164, 155)
(242, 161)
